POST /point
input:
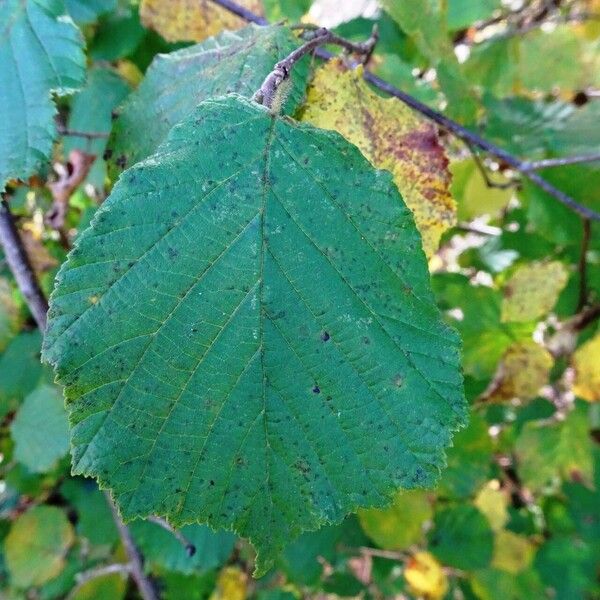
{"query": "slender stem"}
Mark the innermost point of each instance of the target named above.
(582, 265)
(20, 265)
(102, 571)
(242, 12)
(90, 135)
(281, 71)
(189, 547)
(452, 126)
(560, 162)
(144, 583)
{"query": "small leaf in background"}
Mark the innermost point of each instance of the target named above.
(392, 137)
(493, 584)
(473, 196)
(40, 52)
(10, 315)
(533, 290)
(463, 13)
(87, 11)
(231, 585)
(192, 20)
(561, 450)
(175, 83)
(106, 587)
(400, 525)
(425, 576)
(586, 362)
(282, 417)
(40, 429)
(95, 522)
(91, 111)
(161, 548)
(493, 503)
(36, 546)
(523, 370)
(462, 538)
(513, 553)
(468, 460)
(20, 369)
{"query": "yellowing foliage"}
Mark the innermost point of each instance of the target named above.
(533, 290)
(493, 503)
(586, 362)
(512, 553)
(425, 576)
(401, 524)
(392, 137)
(523, 370)
(191, 20)
(231, 585)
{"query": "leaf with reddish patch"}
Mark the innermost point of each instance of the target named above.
(392, 137)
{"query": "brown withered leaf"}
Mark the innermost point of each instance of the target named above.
(392, 137)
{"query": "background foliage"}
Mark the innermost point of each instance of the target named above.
(516, 514)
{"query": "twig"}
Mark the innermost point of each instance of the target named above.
(102, 571)
(144, 583)
(20, 266)
(90, 135)
(560, 162)
(189, 547)
(242, 12)
(70, 176)
(281, 71)
(446, 123)
(582, 265)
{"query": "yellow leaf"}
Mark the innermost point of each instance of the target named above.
(493, 503)
(401, 524)
(523, 370)
(192, 20)
(473, 196)
(425, 576)
(533, 290)
(512, 553)
(586, 362)
(392, 137)
(231, 585)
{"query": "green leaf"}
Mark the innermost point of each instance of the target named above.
(175, 83)
(91, 111)
(40, 53)
(568, 567)
(468, 460)
(462, 13)
(41, 430)
(240, 303)
(107, 587)
(20, 370)
(562, 450)
(87, 11)
(493, 584)
(36, 546)
(462, 538)
(160, 547)
(94, 517)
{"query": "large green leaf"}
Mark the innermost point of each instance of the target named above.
(175, 83)
(40, 53)
(247, 334)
